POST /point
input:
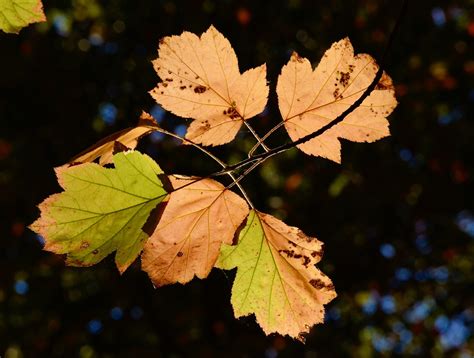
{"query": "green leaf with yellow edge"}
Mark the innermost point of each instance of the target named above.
(277, 279)
(101, 210)
(16, 14)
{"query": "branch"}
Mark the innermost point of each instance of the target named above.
(254, 148)
(257, 137)
(205, 151)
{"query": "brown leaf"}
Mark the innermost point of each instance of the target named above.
(310, 99)
(128, 137)
(201, 80)
(197, 219)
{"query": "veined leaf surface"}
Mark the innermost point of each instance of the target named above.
(276, 276)
(101, 210)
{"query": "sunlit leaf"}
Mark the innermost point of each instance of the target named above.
(196, 220)
(276, 276)
(310, 99)
(202, 81)
(16, 14)
(101, 210)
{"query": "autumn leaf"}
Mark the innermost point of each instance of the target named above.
(197, 219)
(128, 137)
(101, 210)
(276, 276)
(310, 99)
(202, 81)
(16, 14)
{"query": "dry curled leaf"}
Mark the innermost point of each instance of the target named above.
(196, 220)
(128, 137)
(201, 80)
(276, 276)
(310, 99)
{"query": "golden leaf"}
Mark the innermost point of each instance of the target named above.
(201, 80)
(310, 99)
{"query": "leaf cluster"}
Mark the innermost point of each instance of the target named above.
(185, 226)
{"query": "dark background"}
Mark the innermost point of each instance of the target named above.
(397, 216)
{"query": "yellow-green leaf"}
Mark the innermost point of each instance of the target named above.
(16, 14)
(101, 210)
(276, 276)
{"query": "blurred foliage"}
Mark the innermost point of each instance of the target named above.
(397, 217)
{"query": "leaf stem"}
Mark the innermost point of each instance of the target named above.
(257, 137)
(254, 148)
(205, 151)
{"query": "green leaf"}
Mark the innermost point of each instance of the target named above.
(16, 14)
(101, 210)
(276, 276)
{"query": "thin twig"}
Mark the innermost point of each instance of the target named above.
(254, 148)
(205, 151)
(257, 137)
(247, 171)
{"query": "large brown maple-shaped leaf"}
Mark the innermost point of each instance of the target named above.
(197, 219)
(310, 99)
(201, 80)
(276, 276)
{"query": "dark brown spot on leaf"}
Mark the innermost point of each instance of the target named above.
(179, 254)
(344, 79)
(289, 253)
(232, 113)
(200, 89)
(317, 283)
(306, 261)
